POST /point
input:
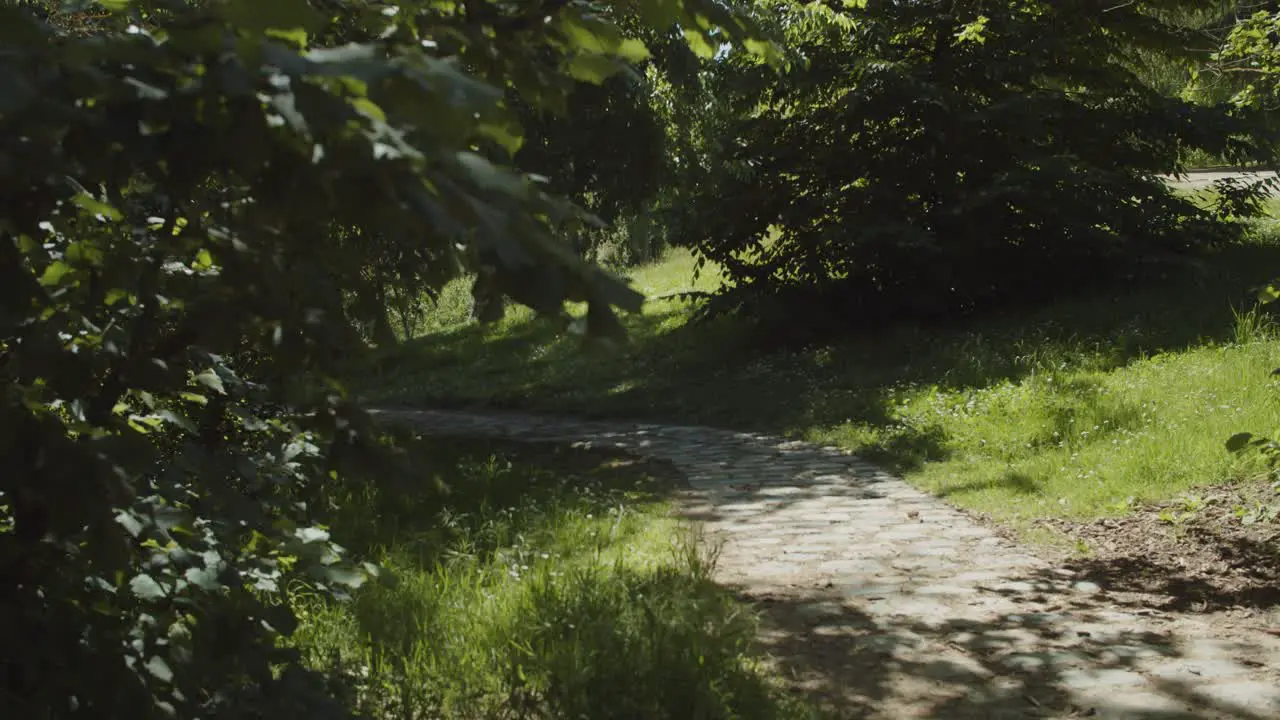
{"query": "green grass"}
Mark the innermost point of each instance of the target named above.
(532, 583)
(1072, 409)
(1083, 440)
(1206, 198)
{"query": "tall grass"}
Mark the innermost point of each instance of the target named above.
(534, 589)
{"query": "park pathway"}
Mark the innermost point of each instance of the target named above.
(885, 602)
(1201, 179)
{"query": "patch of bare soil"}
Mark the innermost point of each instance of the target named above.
(1215, 551)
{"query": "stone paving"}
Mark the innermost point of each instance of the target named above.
(1201, 179)
(886, 602)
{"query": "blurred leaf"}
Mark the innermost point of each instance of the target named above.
(699, 44)
(592, 68)
(210, 379)
(159, 669)
(258, 16)
(203, 578)
(145, 587)
(91, 204)
(312, 535)
(344, 576)
(54, 274)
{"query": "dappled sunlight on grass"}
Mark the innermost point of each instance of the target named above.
(1063, 410)
(675, 273)
(552, 582)
(1083, 442)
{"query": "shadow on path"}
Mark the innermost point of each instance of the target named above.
(1008, 665)
(883, 602)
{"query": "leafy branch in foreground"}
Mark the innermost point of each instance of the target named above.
(192, 196)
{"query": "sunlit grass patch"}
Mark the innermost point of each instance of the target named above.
(530, 589)
(1084, 442)
(1069, 409)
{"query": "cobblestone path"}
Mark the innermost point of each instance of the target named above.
(886, 602)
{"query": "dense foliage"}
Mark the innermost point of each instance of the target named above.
(929, 159)
(1250, 57)
(616, 150)
(201, 203)
(207, 206)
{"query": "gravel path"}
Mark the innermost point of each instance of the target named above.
(884, 602)
(1199, 179)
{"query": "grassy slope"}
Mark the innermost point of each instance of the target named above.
(553, 584)
(1067, 410)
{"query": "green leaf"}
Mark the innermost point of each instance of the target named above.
(973, 31)
(312, 534)
(345, 576)
(84, 253)
(296, 37)
(592, 68)
(699, 44)
(210, 379)
(589, 39)
(174, 418)
(130, 522)
(266, 584)
(204, 260)
(489, 176)
(364, 62)
(1239, 441)
(169, 518)
(632, 50)
(764, 49)
(507, 134)
(660, 13)
(91, 204)
(145, 587)
(53, 274)
(203, 578)
(159, 669)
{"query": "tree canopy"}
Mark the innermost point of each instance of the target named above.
(932, 158)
